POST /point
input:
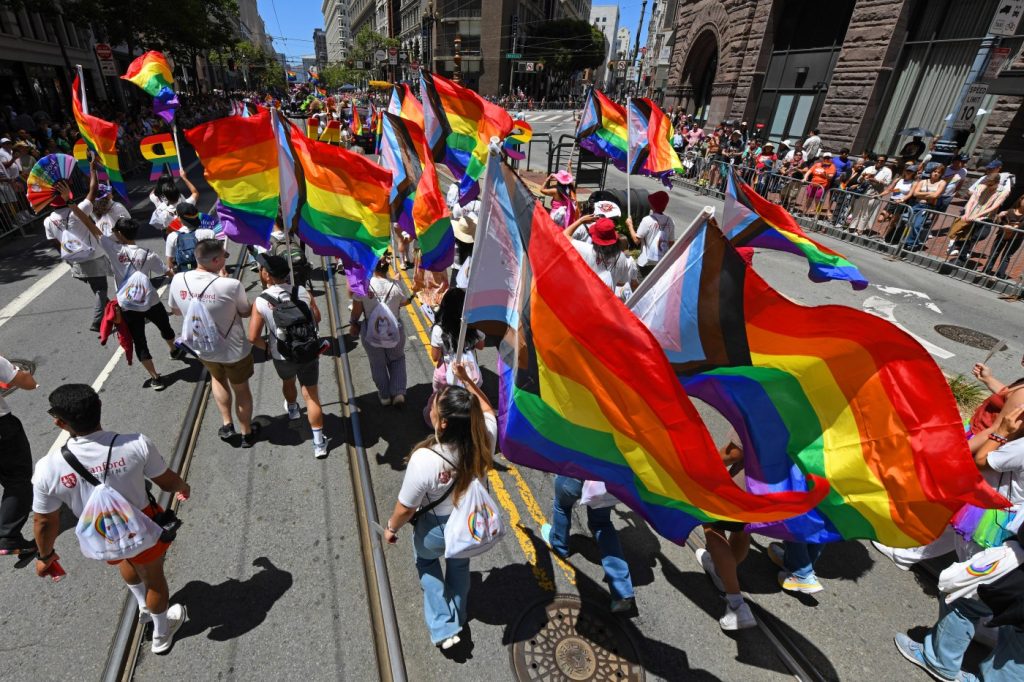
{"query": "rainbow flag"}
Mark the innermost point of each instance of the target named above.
(292, 76)
(239, 157)
(602, 129)
(579, 401)
(152, 73)
(752, 221)
(650, 139)
(332, 133)
(459, 125)
(403, 103)
(161, 151)
(312, 127)
(101, 137)
(825, 391)
(415, 191)
(346, 213)
(356, 124)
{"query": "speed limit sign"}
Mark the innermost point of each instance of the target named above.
(969, 109)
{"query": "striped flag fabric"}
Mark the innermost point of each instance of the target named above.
(152, 73)
(602, 129)
(101, 138)
(650, 139)
(403, 103)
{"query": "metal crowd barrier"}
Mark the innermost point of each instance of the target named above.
(17, 215)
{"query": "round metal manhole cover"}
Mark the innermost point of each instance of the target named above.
(24, 365)
(969, 337)
(564, 639)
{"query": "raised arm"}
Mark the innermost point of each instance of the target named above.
(65, 193)
(194, 197)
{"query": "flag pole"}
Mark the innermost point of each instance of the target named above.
(81, 81)
(493, 150)
(576, 138)
(629, 163)
(177, 146)
(706, 215)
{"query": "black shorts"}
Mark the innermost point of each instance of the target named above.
(307, 374)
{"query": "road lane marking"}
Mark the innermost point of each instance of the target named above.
(30, 294)
(883, 308)
(910, 293)
(543, 578)
(538, 516)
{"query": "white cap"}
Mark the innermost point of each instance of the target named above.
(608, 209)
(5, 140)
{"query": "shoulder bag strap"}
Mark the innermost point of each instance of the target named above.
(80, 469)
(423, 510)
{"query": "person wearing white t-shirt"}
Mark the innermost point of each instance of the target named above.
(603, 254)
(15, 466)
(8, 171)
(80, 250)
(188, 221)
(122, 462)
(106, 211)
(230, 364)
(438, 473)
(274, 275)
(656, 235)
(165, 197)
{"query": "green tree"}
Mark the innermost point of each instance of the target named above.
(338, 74)
(565, 47)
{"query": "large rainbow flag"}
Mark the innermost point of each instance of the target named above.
(602, 129)
(752, 221)
(580, 401)
(459, 125)
(825, 391)
(152, 73)
(101, 137)
(650, 139)
(239, 157)
(346, 213)
(403, 103)
(416, 192)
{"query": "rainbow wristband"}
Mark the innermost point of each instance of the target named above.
(998, 439)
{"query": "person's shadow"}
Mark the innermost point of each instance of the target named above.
(233, 607)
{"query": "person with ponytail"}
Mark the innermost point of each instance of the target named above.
(437, 474)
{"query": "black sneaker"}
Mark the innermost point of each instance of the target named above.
(13, 546)
(156, 384)
(178, 353)
(226, 432)
(249, 439)
(627, 605)
(95, 327)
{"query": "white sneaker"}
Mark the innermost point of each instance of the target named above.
(738, 619)
(399, 400)
(450, 642)
(891, 555)
(320, 449)
(383, 400)
(704, 557)
(176, 617)
(293, 411)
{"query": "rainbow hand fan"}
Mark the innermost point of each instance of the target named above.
(43, 177)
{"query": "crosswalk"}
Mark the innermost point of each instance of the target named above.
(553, 116)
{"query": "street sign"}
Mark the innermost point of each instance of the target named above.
(972, 102)
(393, 56)
(403, 56)
(995, 62)
(105, 56)
(414, 64)
(513, 55)
(380, 55)
(359, 65)
(1007, 16)
(631, 73)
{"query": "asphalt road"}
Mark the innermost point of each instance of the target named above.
(268, 561)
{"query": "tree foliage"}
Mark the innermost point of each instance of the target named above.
(565, 47)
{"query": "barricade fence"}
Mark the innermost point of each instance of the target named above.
(16, 213)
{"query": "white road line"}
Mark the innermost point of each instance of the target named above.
(910, 293)
(30, 294)
(884, 308)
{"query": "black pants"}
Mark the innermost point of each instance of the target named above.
(136, 322)
(15, 477)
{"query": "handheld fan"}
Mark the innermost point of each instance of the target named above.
(44, 176)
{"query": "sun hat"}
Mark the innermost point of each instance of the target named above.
(607, 209)
(658, 201)
(464, 229)
(602, 232)
(564, 177)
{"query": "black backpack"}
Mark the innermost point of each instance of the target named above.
(297, 255)
(185, 252)
(297, 337)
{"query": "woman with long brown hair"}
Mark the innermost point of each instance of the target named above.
(437, 475)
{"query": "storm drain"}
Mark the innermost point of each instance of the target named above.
(25, 366)
(969, 337)
(564, 639)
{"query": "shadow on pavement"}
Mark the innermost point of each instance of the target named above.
(234, 607)
(400, 427)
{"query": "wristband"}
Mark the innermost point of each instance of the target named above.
(998, 439)
(390, 529)
(45, 559)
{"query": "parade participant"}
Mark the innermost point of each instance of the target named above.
(122, 462)
(602, 254)
(725, 553)
(228, 353)
(656, 235)
(277, 293)
(464, 231)
(15, 466)
(183, 235)
(444, 340)
(437, 474)
(136, 295)
(106, 211)
(383, 335)
(80, 249)
(561, 187)
(165, 197)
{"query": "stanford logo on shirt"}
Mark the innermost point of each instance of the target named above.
(69, 481)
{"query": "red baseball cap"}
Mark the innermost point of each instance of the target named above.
(602, 232)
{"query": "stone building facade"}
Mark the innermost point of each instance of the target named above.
(858, 70)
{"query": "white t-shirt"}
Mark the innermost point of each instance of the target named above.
(880, 177)
(126, 259)
(267, 311)
(1005, 182)
(106, 221)
(656, 231)
(56, 224)
(163, 212)
(383, 290)
(7, 171)
(7, 374)
(133, 460)
(615, 273)
(427, 476)
(1006, 473)
(812, 146)
(473, 337)
(226, 302)
(172, 238)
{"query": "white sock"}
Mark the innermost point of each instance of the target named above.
(318, 436)
(735, 600)
(160, 626)
(139, 590)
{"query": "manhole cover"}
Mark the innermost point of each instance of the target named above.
(969, 337)
(24, 365)
(563, 639)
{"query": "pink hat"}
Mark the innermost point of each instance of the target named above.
(564, 177)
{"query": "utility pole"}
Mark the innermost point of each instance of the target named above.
(636, 46)
(513, 63)
(457, 58)
(639, 64)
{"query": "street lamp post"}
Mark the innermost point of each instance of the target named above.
(636, 47)
(429, 19)
(457, 72)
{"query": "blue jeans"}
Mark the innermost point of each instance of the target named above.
(945, 644)
(444, 594)
(800, 557)
(567, 493)
(919, 217)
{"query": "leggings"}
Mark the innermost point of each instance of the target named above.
(136, 321)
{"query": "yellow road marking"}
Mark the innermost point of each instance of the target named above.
(525, 543)
(538, 516)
